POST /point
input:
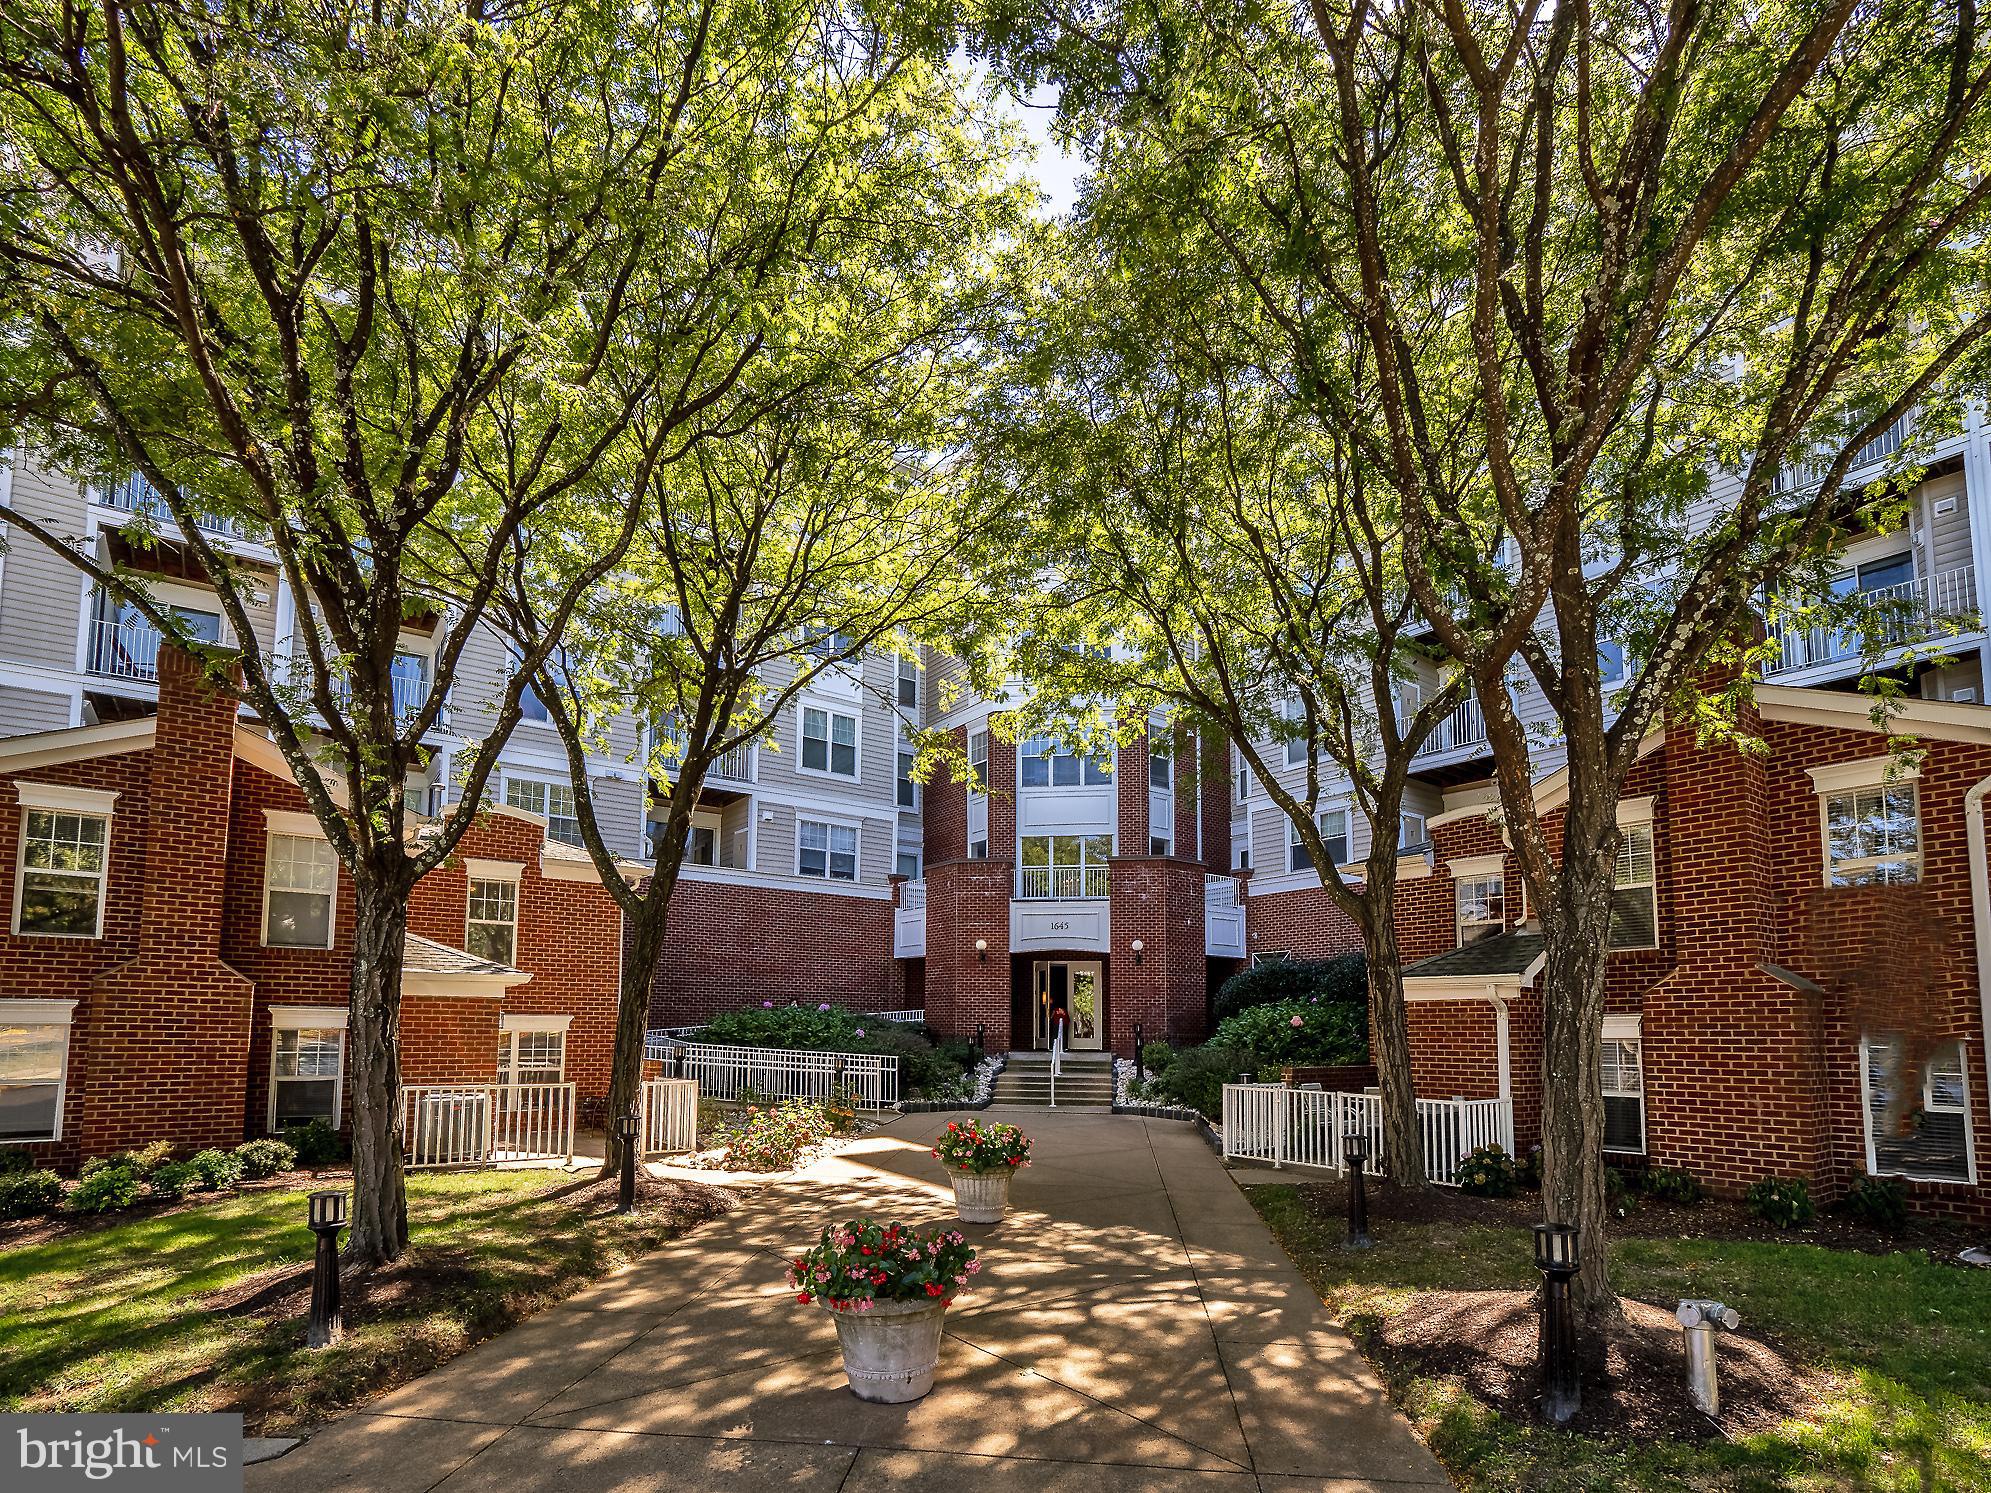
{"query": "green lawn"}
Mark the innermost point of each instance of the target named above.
(1907, 1344)
(113, 1318)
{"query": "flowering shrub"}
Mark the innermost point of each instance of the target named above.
(1298, 1031)
(770, 1138)
(978, 1148)
(857, 1263)
(1488, 1172)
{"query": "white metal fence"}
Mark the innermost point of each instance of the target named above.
(484, 1124)
(1223, 918)
(670, 1115)
(780, 1073)
(1308, 1127)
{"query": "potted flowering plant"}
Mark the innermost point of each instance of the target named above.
(887, 1288)
(981, 1159)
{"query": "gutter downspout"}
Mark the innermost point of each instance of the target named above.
(1980, 913)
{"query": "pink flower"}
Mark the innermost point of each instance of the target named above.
(864, 1305)
(824, 1006)
(860, 1031)
(767, 1005)
(1298, 1022)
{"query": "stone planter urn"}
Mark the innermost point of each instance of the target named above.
(891, 1350)
(981, 1197)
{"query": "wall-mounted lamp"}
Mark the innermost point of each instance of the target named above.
(982, 950)
(1137, 946)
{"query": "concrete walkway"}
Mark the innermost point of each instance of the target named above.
(1134, 1327)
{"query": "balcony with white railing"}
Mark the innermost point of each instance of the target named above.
(1465, 727)
(1038, 883)
(909, 922)
(134, 494)
(124, 649)
(736, 765)
(1223, 918)
(409, 684)
(1796, 476)
(1923, 609)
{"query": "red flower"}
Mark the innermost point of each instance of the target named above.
(803, 1296)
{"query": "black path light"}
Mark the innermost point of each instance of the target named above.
(1355, 1157)
(1140, 1068)
(627, 1128)
(981, 1040)
(1558, 1258)
(326, 1214)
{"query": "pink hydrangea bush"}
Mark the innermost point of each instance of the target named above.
(980, 1149)
(859, 1263)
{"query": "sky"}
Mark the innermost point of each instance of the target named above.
(1056, 171)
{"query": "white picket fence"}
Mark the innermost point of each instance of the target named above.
(669, 1115)
(1307, 1127)
(728, 1072)
(457, 1124)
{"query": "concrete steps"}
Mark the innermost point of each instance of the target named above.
(1085, 1081)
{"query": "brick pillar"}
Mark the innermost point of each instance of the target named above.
(1158, 900)
(170, 1028)
(1733, 1057)
(1213, 792)
(1188, 803)
(1130, 777)
(965, 901)
(944, 811)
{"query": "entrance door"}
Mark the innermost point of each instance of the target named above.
(1079, 991)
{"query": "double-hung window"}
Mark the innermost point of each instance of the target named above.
(1635, 893)
(65, 858)
(534, 1051)
(300, 881)
(1241, 776)
(908, 685)
(1624, 1085)
(553, 802)
(1298, 747)
(34, 1064)
(307, 1065)
(906, 863)
(1918, 1114)
(827, 851)
(1873, 835)
(829, 742)
(492, 930)
(1481, 904)
(908, 786)
(1333, 836)
(1161, 764)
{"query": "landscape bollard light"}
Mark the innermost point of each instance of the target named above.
(981, 1040)
(1355, 1156)
(1699, 1319)
(326, 1215)
(1140, 1069)
(626, 1130)
(1562, 1382)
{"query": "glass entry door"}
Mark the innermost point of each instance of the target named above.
(1078, 991)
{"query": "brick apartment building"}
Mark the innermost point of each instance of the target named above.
(178, 942)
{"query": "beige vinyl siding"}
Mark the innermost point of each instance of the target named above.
(1947, 535)
(24, 710)
(41, 595)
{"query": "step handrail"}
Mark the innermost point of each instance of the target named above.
(1057, 1058)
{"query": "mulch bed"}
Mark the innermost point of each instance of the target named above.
(1712, 1218)
(1634, 1374)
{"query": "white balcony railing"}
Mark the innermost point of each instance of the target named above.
(1796, 476)
(1038, 882)
(124, 650)
(734, 766)
(134, 494)
(410, 689)
(909, 922)
(1907, 612)
(1464, 727)
(1307, 1127)
(1223, 918)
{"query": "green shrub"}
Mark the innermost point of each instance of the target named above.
(265, 1158)
(1298, 1032)
(217, 1170)
(317, 1143)
(1881, 1202)
(13, 1159)
(1343, 980)
(1488, 1172)
(139, 1162)
(1197, 1076)
(1620, 1191)
(106, 1189)
(924, 1067)
(174, 1180)
(771, 1138)
(1671, 1185)
(1155, 1057)
(24, 1194)
(1783, 1201)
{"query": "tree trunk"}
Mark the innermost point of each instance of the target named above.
(380, 1200)
(632, 1019)
(1577, 934)
(1403, 1144)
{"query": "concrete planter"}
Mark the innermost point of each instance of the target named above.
(981, 1197)
(891, 1351)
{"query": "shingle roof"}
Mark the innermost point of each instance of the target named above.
(1507, 953)
(427, 957)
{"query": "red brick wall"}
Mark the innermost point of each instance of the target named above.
(1158, 900)
(453, 1039)
(944, 810)
(1304, 923)
(728, 946)
(967, 900)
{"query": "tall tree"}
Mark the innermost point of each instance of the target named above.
(838, 525)
(1649, 259)
(1230, 551)
(389, 290)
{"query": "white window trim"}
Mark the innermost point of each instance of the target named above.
(1651, 887)
(293, 822)
(1630, 1029)
(1293, 841)
(60, 1013)
(331, 913)
(89, 809)
(1851, 777)
(1969, 1124)
(532, 1021)
(855, 716)
(309, 1018)
(1477, 865)
(502, 871)
(904, 748)
(855, 826)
